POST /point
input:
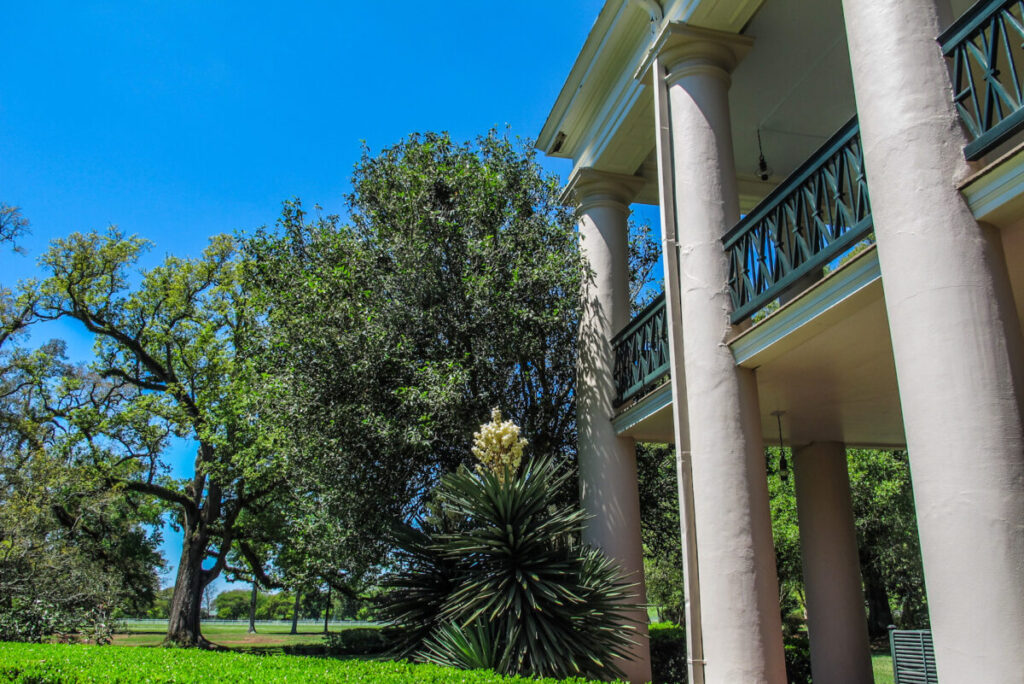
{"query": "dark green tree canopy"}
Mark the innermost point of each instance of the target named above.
(478, 261)
(388, 341)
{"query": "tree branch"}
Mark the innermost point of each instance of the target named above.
(162, 493)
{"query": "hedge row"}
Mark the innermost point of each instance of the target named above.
(53, 663)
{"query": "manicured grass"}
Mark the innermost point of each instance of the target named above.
(53, 663)
(228, 635)
(881, 664)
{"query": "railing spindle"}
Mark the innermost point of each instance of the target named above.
(987, 87)
(818, 212)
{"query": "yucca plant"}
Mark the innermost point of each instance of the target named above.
(414, 593)
(521, 594)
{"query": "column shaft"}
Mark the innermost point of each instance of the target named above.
(837, 623)
(742, 634)
(607, 462)
(955, 337)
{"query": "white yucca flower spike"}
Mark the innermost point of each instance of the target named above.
(498, 446)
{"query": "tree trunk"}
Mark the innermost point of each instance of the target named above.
(879, 613)
(295, 611)
(327, 610)
(186, 603)
(252, 608)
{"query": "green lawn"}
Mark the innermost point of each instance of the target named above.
(881, 664)
(53, 663)
(229, 635)
(269, 636)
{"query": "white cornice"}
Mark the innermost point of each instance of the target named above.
(597, 39)
(601, 89)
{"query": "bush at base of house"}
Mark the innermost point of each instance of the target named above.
(355, 641)
(53, 663)
(668, 653)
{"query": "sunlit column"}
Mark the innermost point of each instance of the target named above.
(607, 462)
(742, 634)
(955, 337)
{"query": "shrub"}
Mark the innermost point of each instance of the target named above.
(362, 641)
(798, 658)
(41, 620)
(668, 654)
(511, 589)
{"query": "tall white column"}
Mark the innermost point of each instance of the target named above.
(742, 634)
(607, 462)
(677, 371)
(955, 337)
(837, 623)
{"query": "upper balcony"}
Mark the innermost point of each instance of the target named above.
(790, 251)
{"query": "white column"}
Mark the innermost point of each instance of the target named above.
(677, 370)
(742, 634)
(607, 462)
(955, 337)
(837, 623)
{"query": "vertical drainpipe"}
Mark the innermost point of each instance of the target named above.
(673, 313)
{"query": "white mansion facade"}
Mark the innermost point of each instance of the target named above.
(775, 136)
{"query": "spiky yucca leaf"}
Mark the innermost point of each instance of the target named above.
(414, 594)
(474, 647)
(552, 606)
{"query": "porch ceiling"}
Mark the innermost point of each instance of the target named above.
(837, 382)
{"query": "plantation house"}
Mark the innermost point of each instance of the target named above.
(776, 136)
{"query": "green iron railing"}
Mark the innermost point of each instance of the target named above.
(641, 352)
(985, 46)
(817, 213)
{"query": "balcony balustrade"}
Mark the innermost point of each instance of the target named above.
(815, 215)
(823, 209)
(985, 47)
(641, 352)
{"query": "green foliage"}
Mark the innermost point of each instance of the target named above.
(798, 658)
(170, 348)
(659, 516)
(356, 641)
(886, 537)
(668, 654)
(161, 606)
(12, 225)
(73, 551)
(509, 587)
(232, 605)
(883, 505)
(49, 663)
(45, 619)
(785, 531)
(475, 646)
(663, 580)
(455, 289)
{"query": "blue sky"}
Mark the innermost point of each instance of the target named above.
(179, 120)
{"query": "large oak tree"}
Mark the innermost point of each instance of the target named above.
(173, 336)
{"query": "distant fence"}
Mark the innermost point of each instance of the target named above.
(215, 621)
